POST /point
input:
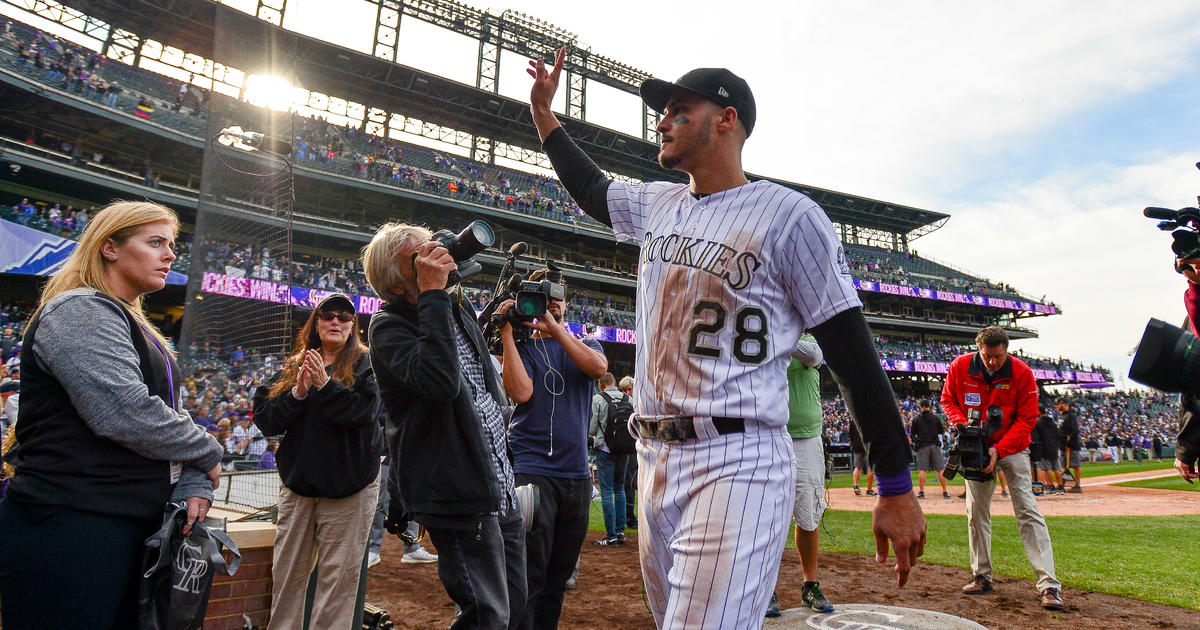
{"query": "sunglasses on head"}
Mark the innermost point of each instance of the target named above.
(342, 316)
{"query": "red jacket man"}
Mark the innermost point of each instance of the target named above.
(1010, 385)
(977, 381)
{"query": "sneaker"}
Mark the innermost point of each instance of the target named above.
(608, 542)
(978, 585)
(620, 539)
(773, 607)
(814, 598)
(945, 495)
(373, 559)
(1051, 599)
(1076, 489)
(419, 556)
(1004, 494)
(920, 495)
(857, 491)
(871, 493)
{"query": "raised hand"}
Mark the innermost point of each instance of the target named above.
(545, 84)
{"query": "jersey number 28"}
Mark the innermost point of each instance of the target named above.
(749, 327)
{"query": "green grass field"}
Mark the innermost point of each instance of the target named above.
(1166, 483)
(844, 479)
(1151, 558)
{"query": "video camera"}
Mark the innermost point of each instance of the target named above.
(1168, 357)
(970, 452)
(531, 301)
(474, 238)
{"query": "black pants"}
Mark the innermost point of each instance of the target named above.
(483, 571)
(69, 569)
(552, 545)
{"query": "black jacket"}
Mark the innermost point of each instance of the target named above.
(1068, 432)
(926, 428)
(1045, 439)
(331, 439)
(441, 465)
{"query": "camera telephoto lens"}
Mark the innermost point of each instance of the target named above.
(530, 305)
(1167, 359)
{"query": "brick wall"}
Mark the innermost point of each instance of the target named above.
(247, 593)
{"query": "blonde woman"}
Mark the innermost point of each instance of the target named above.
(104, 442)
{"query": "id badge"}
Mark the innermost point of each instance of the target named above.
(176, 472)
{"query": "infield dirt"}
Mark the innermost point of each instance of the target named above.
(609, 591)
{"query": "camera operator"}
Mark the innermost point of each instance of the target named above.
(975, 382)
(1187, 448)
(550, 377)
(445, 427)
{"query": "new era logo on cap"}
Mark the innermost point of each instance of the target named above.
(716, 84)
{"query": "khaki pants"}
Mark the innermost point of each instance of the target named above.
(1030, 523)
(330, 534)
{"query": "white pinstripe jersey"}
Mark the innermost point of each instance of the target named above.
(726, 285)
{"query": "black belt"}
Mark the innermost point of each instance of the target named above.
(684, 428)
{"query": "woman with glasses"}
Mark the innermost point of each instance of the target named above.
(324, 403)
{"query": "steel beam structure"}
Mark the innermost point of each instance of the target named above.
(271, 11)
(387, 29)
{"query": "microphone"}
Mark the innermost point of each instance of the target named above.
(514, 281)
(518, 248)
(1165, 214)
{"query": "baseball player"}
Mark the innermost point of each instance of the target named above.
(730, 273)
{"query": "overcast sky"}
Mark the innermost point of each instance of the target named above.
(1043, 129)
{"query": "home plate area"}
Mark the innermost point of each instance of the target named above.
(869, 617)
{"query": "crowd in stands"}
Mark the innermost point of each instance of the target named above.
(936, 350)
(1134, 421)
(388, 161)
(909, 269)
(352, 152)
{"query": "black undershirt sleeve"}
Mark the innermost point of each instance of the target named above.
(581, 177)
(851, 356)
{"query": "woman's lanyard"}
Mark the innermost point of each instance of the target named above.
(167, 359)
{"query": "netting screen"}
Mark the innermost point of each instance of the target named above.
(237, 320)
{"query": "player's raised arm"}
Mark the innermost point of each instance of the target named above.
(581, 177)
(852, 358)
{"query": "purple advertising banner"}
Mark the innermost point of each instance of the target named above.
(268, 291)
(938, 367)
(950, 296)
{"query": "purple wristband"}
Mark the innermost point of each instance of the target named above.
(892, 485)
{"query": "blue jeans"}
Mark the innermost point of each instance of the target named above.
(610, 469)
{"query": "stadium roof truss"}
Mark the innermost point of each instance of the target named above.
(498, 126)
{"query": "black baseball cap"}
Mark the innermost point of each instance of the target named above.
(336, 301)
(718, 85)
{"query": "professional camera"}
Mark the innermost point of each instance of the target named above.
(970, 452)
(531, 300)
(474, 238)
(1168, 358)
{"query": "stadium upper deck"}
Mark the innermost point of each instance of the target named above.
(903, 292)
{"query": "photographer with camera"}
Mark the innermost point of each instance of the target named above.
(1003, 385)
(1187, 448)
(550, 375)
(446, 422)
